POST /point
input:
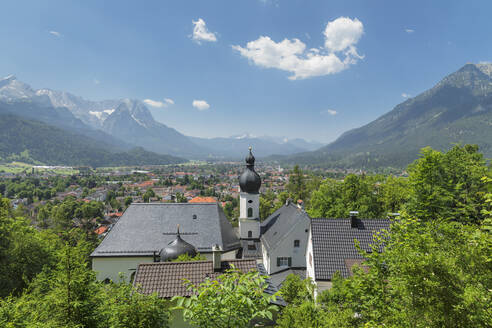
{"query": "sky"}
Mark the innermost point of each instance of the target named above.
(300, 68)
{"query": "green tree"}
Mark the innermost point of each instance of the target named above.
(448, 185)
(234, 299)
(124, 307)
(297, 184)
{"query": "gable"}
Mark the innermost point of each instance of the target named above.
(281, 224)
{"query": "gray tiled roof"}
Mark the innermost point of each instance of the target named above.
(333, 243)
(167, 278)
(279, 277)
(280, 223)
(148, 227)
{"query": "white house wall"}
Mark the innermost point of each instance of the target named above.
(310, 258)
(286, 249)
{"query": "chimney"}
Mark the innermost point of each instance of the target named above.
(300, 204)
(288, 201)
(216, 256)
(353, 219)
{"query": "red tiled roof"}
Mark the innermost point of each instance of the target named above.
(203, 200)
(101, 230)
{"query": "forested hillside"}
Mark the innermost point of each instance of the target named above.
(34, 141)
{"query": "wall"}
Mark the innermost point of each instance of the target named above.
(286, 248)
(110, 267)
(309, 255)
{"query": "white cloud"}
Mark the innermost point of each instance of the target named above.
(201, 104)
(159, 104)
(339, 52)
(201, 33)
(55, 33)
(409, 30)
(405, 95)
(330, 112)
(342, 34)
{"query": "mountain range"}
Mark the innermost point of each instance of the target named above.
(458, 109)
(113, 121)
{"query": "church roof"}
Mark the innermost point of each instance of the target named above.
(176, 248)
(249, 180)
(146, 228)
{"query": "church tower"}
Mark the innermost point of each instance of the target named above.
(249, 200)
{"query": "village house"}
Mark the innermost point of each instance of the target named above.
(331, 246)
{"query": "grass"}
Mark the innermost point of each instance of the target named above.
(20, 167)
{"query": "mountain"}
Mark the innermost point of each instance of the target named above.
(234, 147)
(112, 121)
(133, 122)
(456, 110)
(35, 141)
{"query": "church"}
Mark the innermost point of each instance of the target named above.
(145, 231)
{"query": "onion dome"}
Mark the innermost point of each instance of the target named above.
(250, 181)
(176, 248)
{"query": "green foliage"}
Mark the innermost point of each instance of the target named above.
(234, 299)
(33, 141)
(124, 307)
(431, 274)
(448, 185)
(68, 295)
(294, 290)
(23, 251)
(188, 258)
(374, 196)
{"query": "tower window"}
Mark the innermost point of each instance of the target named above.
(250, 212)
(297, 243)
(250, 234)
(250, 201)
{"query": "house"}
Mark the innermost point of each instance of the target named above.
(145, 228)
(331, 246)
(167, 278)
(284, 236)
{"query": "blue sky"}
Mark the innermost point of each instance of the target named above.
(230, 67)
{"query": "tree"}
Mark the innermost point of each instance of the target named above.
(431, 274)
(295, 290)
(125, 307)
(234, 299)
(448, 186)
(297, 184)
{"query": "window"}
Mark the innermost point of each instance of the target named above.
(284, 261)
(297, 243)
(250, 212)
(250, 201)
(250, 234)
(252, 247)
